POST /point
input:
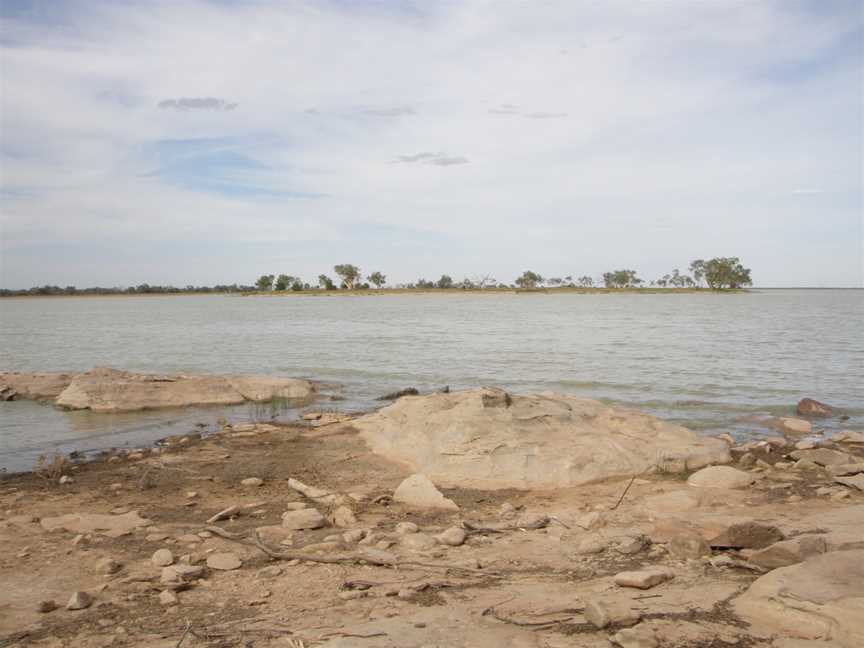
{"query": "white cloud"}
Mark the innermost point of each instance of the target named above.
(585, 125)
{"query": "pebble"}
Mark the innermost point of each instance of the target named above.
(252, 482)
(224, 561)
(642, 579)
(116, 486)
(354, 535)
(156, 537)
(303, 519)
(43, 607)
(79, 601)
(108, 566)
(273, 571)
(168, 598)
(601, 613)
(404, 528)
(452, 537)
(344, 517)
(295, 506)
(162, 558)
(66, 479)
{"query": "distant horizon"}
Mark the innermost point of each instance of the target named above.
(187, 140)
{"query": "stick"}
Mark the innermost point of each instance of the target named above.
(185, 632)
(624, 494)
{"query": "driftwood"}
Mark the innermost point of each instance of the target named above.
(472, 528)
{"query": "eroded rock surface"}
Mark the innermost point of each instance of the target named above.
(486, 438)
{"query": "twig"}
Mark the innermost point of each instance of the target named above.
(539, 523)
(624, 494)
(185, 632)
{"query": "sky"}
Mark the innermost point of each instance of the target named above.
(205, 142)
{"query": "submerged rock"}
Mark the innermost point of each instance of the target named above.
(487, 438)
(810, 407)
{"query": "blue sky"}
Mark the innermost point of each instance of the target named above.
(210, 142)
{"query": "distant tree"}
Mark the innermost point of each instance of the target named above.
(283, 281)
(326, 282)
(444, 282)
(296, 284)
(265, 282)
(569, 280)
(529, 280)
(621, 279)
(483, 281)
(697, 269)
(586, 282)
(377, 279)
(555, 281)
(348, 273)
(726, 272)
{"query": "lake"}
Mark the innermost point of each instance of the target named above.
(713, 362)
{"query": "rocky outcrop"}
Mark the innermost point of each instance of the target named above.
(820, 598)
(487, 438)
(111, 390)
(810, 407)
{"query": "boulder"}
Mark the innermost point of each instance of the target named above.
(856, 481)
(604, 612)
(453, 537)
(820, 598)
(419, 492)
(795, 426)
(303, 519)
(848, 436)
(489, 439)
(846, 469)
(224, 561)
(111, 390)
(823, 456)
(810, 407)
(640, 636)
(720, 477)
(747, 535)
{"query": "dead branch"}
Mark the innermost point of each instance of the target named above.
(624, 494)
(540, 523)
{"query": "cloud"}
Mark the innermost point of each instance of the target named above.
(438, 159)
(185, 104)
(504, 109)
(546, 115)
(389, 112)
(808, 191)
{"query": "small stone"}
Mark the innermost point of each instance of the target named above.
(156, 537)
(352, 594)
(690, 546)
(273, 571)
(419, 491)
(168, 597)
(507, 511)
(189, 538)
(354, 535)
(601, 613)
(747, 460)
(303, 519)
(79, 601)
(162, 558)
(452, 537)
(405, 593)
(135, 456)
(224, 561)
(191, 494)
(181, 573)
(591, 546)
(66, 479)
(43, 607)
(720, 477)
(418, 542)
(589, 520)
(632, 545)
(116, 486)
(796, 426)
(295, 506)
(252, 482)
(404, 528)
(747, 535)
(642, 579)
(108, 566)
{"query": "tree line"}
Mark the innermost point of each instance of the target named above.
(720, 273)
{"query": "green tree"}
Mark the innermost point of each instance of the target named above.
(621, 279)
(697, 269)
(529, 280)
(726, 272)
(444, 282)
(326, 282)
(377, 279)
(265, 282)
(348, 273)
(283, 281)
(586, 282)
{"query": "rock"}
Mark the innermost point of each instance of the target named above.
(689, 546)
(408, 391)
(108, 566)
(180, 574)
(34, 386)
(252, 482)
(795, 426)
(747, 535)
(156, 537)
(591, 546)
(66, 479)
(848, 436)
(162, 558)
(644, 578)
(747, 460)
(820, 598)
(353, 535)
(110, 390)
(418, 542)
(224, 561)
(720, 477)
(224, 514)
(824, 456)
(274, 571)
(810, 407)
(79, 601)
(404, 528)
(168, 598)
(603, 612)
(632, 545)
(303, 519)
(453, 537)
(486, 438)
(419, 492)
(846, 469)
(855, 482)
(296, 506)
(588, 520)
(43, 607)
(789, 552)
(507, 511)
(343, 517)
(112, 526)
(640, 636)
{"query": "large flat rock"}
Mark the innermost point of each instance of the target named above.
(112, 390)
(820, 598)
(486, 438)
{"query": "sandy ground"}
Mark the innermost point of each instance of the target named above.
(507, 586)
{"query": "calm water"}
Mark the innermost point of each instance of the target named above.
(708, 361)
